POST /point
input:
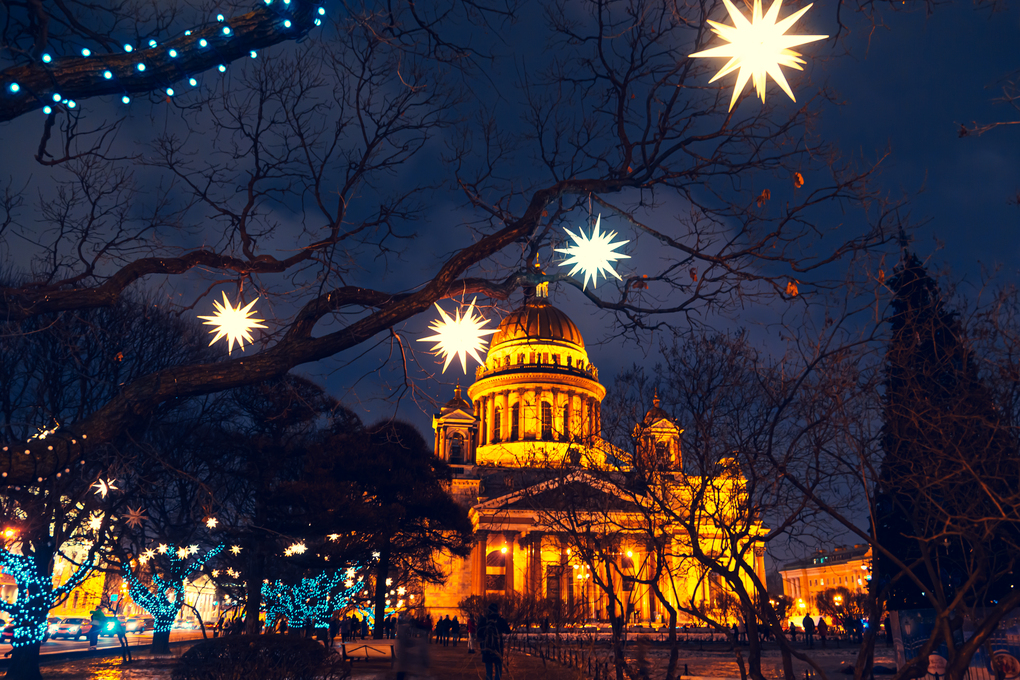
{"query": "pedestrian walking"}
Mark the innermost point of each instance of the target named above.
(809, 631)
(823, 629)
(364, 627)
(491, 629)
(471, 633)
(97, 623)
(345, 629)
(334, 628)
(455, 631)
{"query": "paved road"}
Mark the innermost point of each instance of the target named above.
(135, 640)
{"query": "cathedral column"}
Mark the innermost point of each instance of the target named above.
(535, 566)
(479, 553)
(510, 536)
(441, 451)
(504, 426)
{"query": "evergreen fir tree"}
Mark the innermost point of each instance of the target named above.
(948, 457)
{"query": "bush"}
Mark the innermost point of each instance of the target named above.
(267, 657)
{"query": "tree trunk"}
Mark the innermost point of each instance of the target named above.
(382, 572)
(25, 663)
(253, 594)
(161, 642)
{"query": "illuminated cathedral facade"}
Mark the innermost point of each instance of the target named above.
(528, 439)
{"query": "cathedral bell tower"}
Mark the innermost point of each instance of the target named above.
(456, 431)
(657, 440)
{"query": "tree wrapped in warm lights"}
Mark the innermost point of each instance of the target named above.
(163, 597)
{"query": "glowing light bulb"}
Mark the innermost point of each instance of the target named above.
(128, 48)
(140, 67)
(108, 74)
(318, 22)
(47, 58)
(125, 99)
(757, 48)
(56, 97)
(219, 17)
(173, 54)
(458, 337)
(203, 42)
(192, 82)
(169, 91)
(286, 24)
(253, 54)
(226, 30)
(86, 52)
(47, 110)
(222, 68)
(152, 43)
(322, 11)
(14, 87)
(71, 104)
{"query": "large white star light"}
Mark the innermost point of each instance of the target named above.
(758, 47)
(592, 255)
(459, 337)
(233, 323)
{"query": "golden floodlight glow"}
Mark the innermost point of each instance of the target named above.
(758, 47)
(233, 323)
(458, 337)
(594, 255)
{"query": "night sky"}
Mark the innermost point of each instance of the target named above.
(905, 87)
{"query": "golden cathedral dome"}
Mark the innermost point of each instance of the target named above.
(537, 321)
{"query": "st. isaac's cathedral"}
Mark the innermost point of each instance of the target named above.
(527, 458)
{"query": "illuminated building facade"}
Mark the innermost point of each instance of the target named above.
(842, 567)
(526, 447)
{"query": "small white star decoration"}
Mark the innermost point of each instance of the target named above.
(296, 549)
(212, 522)
(758, 47)
(233, 323)
(104, 486)
(459, 337)
(592, 255)
(235, 549)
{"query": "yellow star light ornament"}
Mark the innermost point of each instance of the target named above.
(233, 323)
(758, 47)
(594, 255)
(459, 337)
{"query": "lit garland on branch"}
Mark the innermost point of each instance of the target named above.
(156, 599)
(60, 82)
(312, 599)
(36, 595)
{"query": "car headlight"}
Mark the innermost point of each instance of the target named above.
(74, 629)
(109, 626)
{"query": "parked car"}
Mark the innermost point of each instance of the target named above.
(8, 633)
(51, 624)
(186, 624)
(72, 629)
(139, 624)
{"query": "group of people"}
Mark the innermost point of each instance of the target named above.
(447, 630)
(853, 628)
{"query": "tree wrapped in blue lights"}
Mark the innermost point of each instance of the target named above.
(155, 598)
(311, 600)
(36, 595)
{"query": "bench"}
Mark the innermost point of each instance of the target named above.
(366, 651)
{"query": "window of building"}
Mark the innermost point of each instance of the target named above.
(546, 421)
(515, 422)
(456, 448)
(496, 422)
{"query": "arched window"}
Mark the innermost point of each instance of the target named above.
(495, 570)
(456, 448)
(662, 454)
(515, 422)
(566, 423)
(546, 421)
(497, 420)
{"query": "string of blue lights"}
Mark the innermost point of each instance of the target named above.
(36, 595)
(60, 82)
(312, 599)
(155, 597)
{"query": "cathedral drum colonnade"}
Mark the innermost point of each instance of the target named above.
(530, 431)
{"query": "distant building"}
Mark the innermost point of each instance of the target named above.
(842, 567)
